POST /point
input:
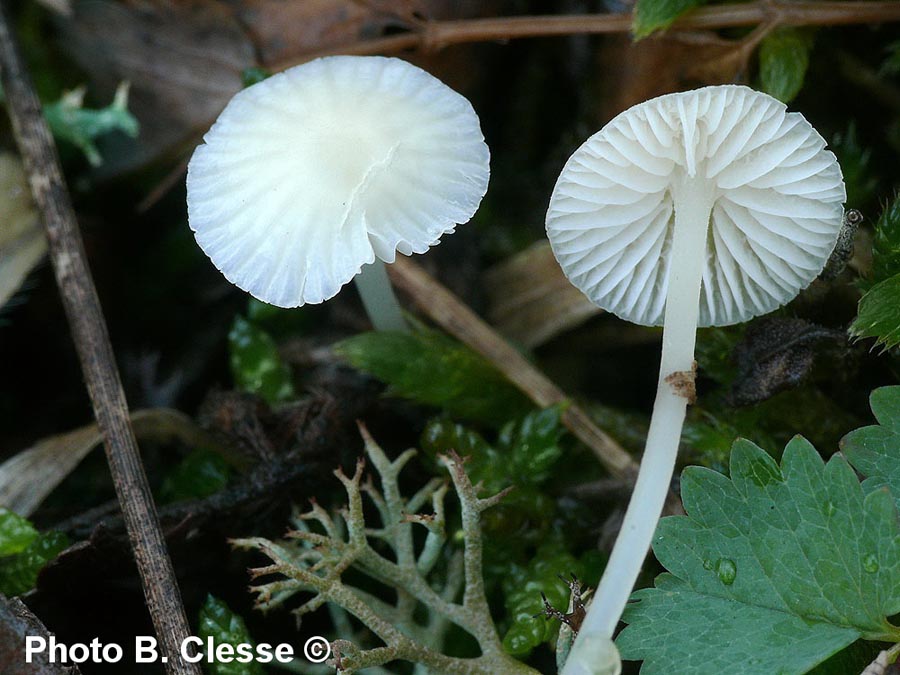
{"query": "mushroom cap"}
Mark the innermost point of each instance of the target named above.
(777, 210)
(315, 171)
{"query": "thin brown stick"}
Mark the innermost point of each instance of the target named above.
(436, 35)
(98, 364)
(449, 312)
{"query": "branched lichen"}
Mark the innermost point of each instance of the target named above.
(314, 562)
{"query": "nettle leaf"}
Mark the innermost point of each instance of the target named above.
(886, 244)
(429, 367)
(653, 15)
(255, 363)
(786, 565)
(879, 314)
(218, 621)
(874, 451)
(783, 61)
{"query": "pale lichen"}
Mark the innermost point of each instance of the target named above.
(309, 561)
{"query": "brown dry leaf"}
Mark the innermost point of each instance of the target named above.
(29, 476)
(184, 61)
(530, 300)
(22, 240)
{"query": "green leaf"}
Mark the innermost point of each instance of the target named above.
(200, 474)
(226, 627)
(785, 565)
(653, 15)
(886, 243)
(429, 367)
(874, 451)
(255, 363)
(69, 120)
(879, 314)
(18, 573)
(783, 60)
(16, 532)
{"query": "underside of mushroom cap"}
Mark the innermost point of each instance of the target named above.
(777, 210)
(318, 170)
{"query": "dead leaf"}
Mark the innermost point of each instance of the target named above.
(22, 240)
(29, 476)
(530, 300)
(777, 354)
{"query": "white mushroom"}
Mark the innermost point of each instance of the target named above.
(705, 208)
(329, 166)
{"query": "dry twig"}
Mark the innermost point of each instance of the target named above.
(95, 353)
(431, 36)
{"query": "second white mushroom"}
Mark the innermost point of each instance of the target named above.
(704, 208)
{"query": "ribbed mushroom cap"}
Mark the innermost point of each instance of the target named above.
(775, 219)
(314, 172)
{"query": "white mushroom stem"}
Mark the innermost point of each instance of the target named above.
(693, 198)
(379, 299)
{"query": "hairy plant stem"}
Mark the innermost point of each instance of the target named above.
(693, 201)
(85, 316)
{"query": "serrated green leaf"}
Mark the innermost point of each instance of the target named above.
(428, 367)
(69, 120)
(200, 474)
(874, 451)
(879, 314)
(255, 363)
(225, 627)
(783, 61)
(785, 565)
(886, 243)
(16, 532)
(653, 15)
(18, 573)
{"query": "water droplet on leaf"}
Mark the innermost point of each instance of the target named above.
(707, 564)
(829, 508)
(727, 570)
(870, 563)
